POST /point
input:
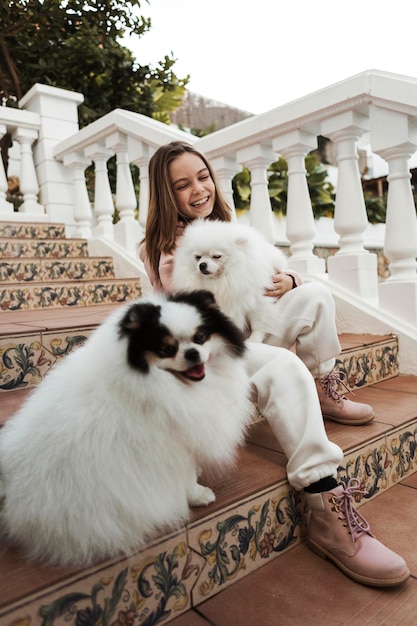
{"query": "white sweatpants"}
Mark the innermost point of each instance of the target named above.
(306, 317)
(287, 398)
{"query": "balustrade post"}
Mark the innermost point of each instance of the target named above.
(103, 199)
(127, 230)
(5, 207)
(257, 159)
(226, 167)
(352, 267)
(301, 230)
(140, 154)
(394, 138)
(28, 180)
(82, 210)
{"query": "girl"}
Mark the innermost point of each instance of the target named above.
(183, 187)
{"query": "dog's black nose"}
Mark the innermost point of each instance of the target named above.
(203, 268)
(192, 355)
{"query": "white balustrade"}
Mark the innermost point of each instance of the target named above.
(83, 215)
(127, 232)
(226, 168)
(352, 266)
(294, 147)
(257, 159)
(398, 294)
(103, 199)
(28, 181)
(140, 154)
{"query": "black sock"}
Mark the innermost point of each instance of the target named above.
(324, 484)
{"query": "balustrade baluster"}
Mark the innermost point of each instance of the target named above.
(28, 180)
(394, 138)
(127, 230)
(352, 267)
(83, 216)
(103, 199)
(257, 159)
(301, 229)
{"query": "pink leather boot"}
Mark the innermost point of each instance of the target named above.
(336, 407)
(337, 531)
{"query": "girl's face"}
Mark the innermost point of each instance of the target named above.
(193, 186)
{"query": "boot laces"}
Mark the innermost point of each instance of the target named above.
(331, 381)
(344, 503)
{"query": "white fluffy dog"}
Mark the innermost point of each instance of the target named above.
(106, 451)
(235, 263)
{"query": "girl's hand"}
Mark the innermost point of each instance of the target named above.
(281, 283)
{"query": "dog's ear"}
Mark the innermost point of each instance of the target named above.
(198, 298)
(138, 316)
(139, 325)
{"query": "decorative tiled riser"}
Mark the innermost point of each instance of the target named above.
(46, 270)
(32, 231)
(185, 569)
(25, 360)
(371, 364)
(83, 293)
(52, 248)
(28, 358)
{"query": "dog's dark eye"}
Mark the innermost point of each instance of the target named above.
(167, 351)
(200, 337)
(217, 256)
(197, 257)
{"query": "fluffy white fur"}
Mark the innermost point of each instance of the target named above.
(235, 263)
(103, 456)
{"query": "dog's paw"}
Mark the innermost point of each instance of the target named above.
(198, 495)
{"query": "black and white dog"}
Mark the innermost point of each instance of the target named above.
(107, 450)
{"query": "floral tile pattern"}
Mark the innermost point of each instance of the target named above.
(382, 464)
(37, 270)
(35, 296)
(32, 230)
(151, 587)
(50, 248)
(371, 364)
(239, 540)
(26, 359)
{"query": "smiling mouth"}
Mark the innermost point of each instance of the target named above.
(200, 203)
(193, 374)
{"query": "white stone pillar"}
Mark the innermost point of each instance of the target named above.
(257, 159)
(81, 211)
(27, 180)
(127, 231)
(103, 199)
(301, 229)
(352, 267)
(58, 111)
(140, 154)
(394, 138)
(226, 168)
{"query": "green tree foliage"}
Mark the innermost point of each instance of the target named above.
(75, 45)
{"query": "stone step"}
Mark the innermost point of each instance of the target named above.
(14, 248)
(33, 270)
(32, 230)
(256, 518)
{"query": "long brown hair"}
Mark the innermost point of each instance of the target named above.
(163, 215)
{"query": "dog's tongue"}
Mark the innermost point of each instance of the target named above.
(197, 372)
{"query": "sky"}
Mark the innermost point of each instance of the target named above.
(259, 55)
